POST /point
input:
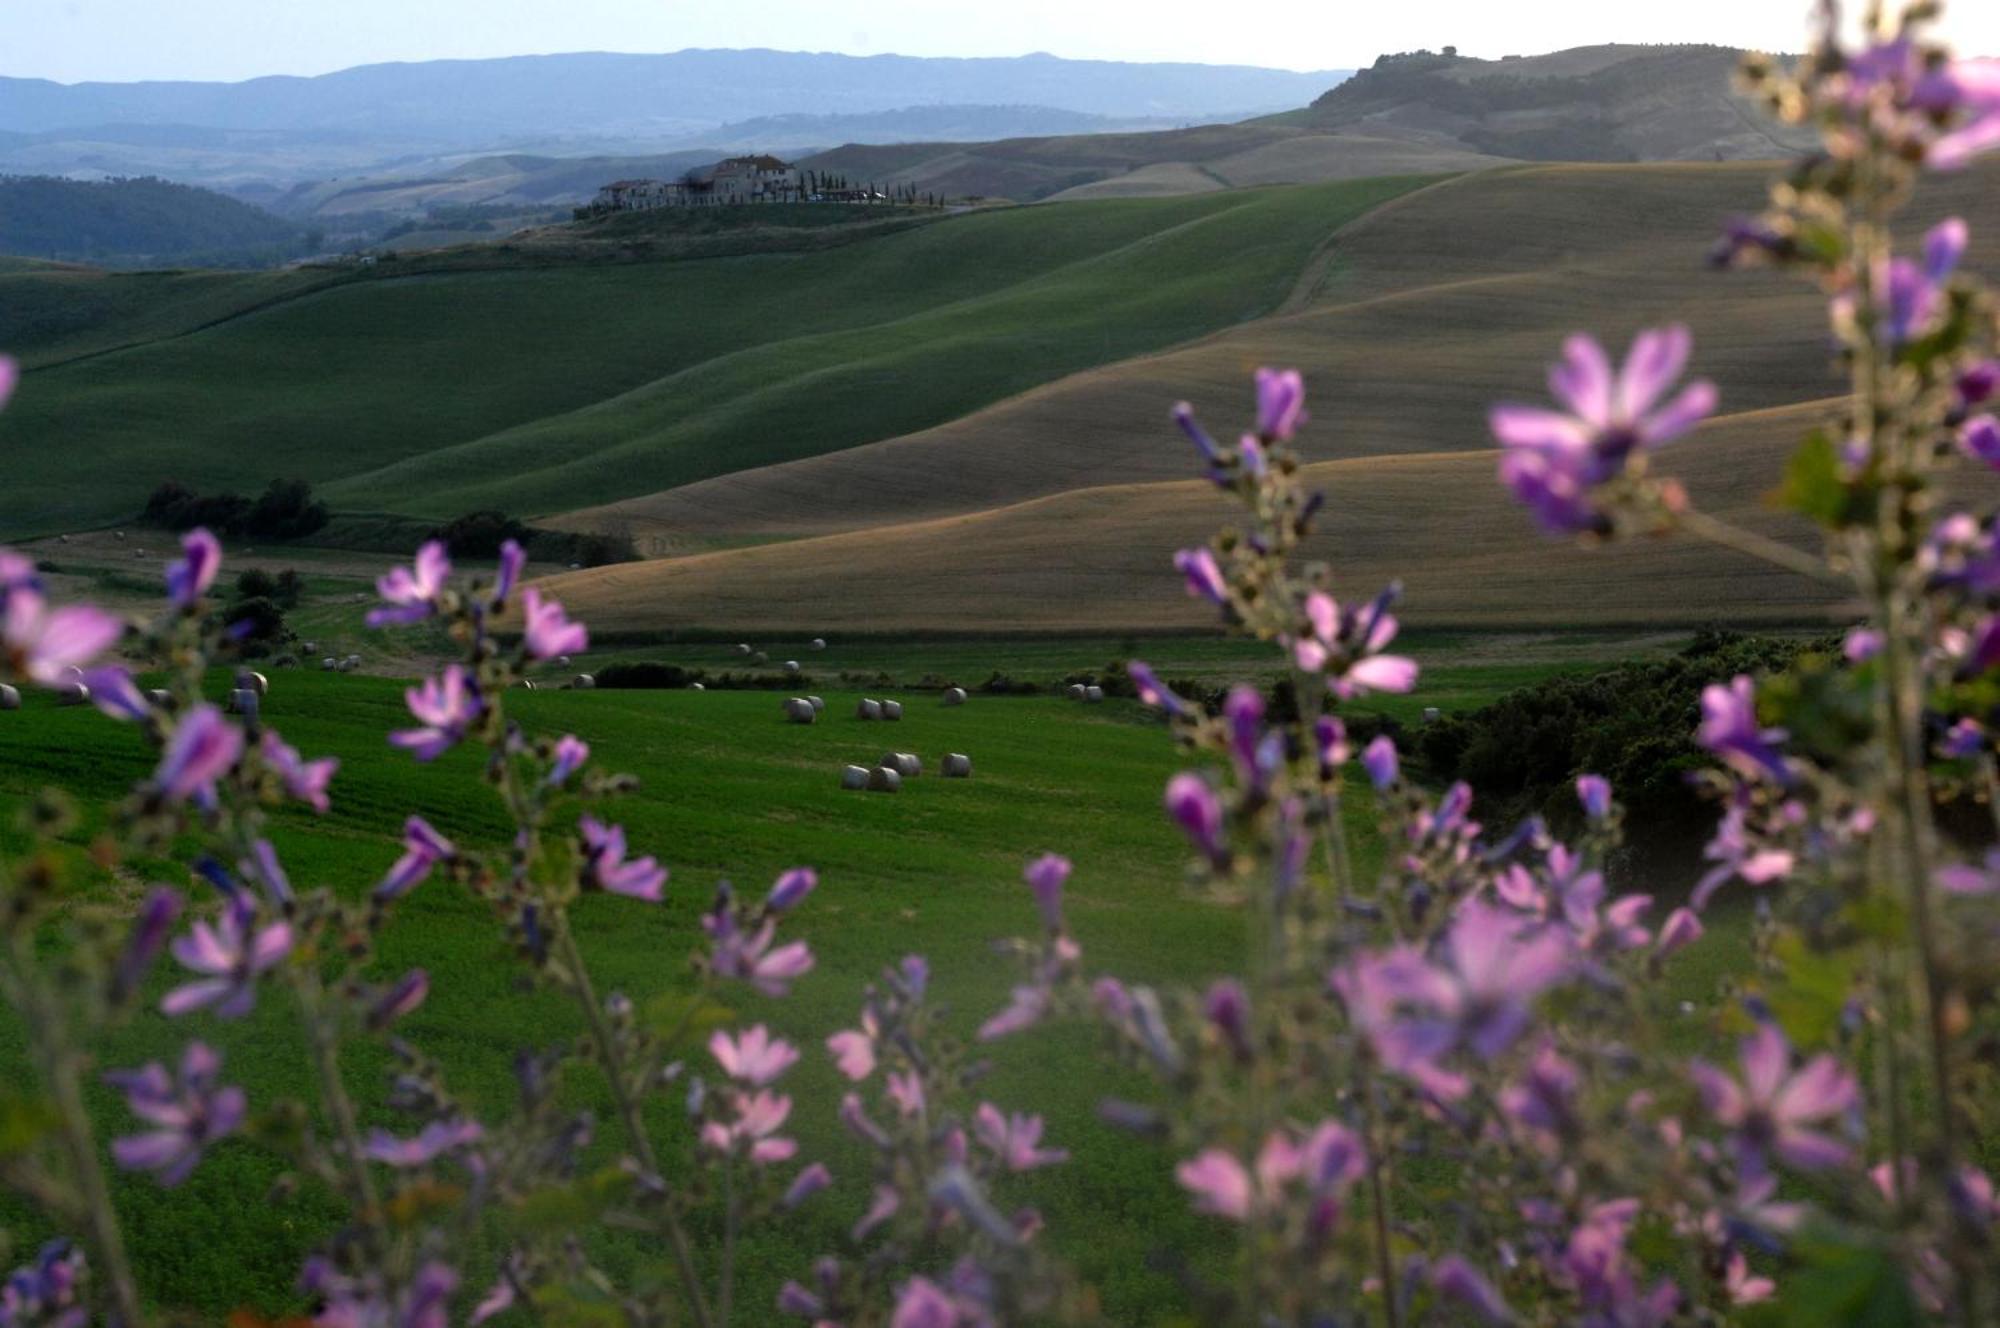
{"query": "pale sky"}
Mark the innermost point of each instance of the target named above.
(74, 40)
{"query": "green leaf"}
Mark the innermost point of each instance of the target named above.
(1815, 990)
(671, 1014)
(1838, 1280)
(1816, 487)
(25, 1120)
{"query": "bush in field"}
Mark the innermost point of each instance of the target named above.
(1439, 1091)
(286, 510)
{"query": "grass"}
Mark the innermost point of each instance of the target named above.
(543, 388)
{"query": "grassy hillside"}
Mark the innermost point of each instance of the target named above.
(542, 388)
(135, 223)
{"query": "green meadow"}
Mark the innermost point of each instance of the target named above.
(544, 388)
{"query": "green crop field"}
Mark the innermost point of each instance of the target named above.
(543, 388)
(729, 790)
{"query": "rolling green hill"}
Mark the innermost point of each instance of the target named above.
(540, 388)
(138, 222)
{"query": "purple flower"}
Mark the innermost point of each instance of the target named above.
(1227, 1008)
(1594, 793)
(810, 1181)
(1152, 691)
(1774, 1108)
(189, 1110)
(1015, 1140)
(423, 849)
(361, 1302)
(1198, 812)
(756, 1058)
(1977, 384)
(1553, 458)
(10, 377)
(1971, 86)
(44, 1294)
(1911, 294)
(571, 753)
(1204, 578)
(1219, 1182)
(189, 578)
(409, 594)
(1281, 403)
(204, 747)
(406, 995)
(1681, 929)
(1347, 646)
(1025, 1008)
(426, 1147)
(606, 869)
(1211, 455)
(512, 559)
(112, 691)
(303, 780)
(1980, 438)
(853, 1050)
(748, 956)
(1498, 971)
(1330, 737)
(1740, 853)
(923, 1304)
(1046, 876)
(758, 1118)
(791, 888)
(233, 953)
(1380, 761)
(1456, 1279)
(446, 706)
(546, 629)
(855, 1117)
(263, 866)
(44, 644)
(1730, 731)
(148, 937)
(1543, 1098)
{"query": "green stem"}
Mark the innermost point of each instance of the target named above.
(1378, 1201)
(339, 1106)
(1761, 547)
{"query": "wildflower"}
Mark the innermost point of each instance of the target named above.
(1971, 86)
(1743, 1286)
(810, 1181)
(1456, 1279)
(512, 559)
(304, 780)
(1772, 1110)
(1681, 929)
(605, 866)
(47, 1292)
(1980, 439)
(1152, 691)
(1204, 578)
(446, 706)
(203, 749)
(906, 1090)
(426, 1147)
(44, 644)
(1227, 1008)
(750, 958)
(10, 377)
(855, 1117)
(264, 867)
(189, 578)
(1194, 805)
(148, 937)
(1281, 403)
(410, 594)
(234, 954)
(1211, 455)
(361, 1302)
(1740, 853)
(1594, 793)
(571, 753)
(1910, 294)
(1497, 973)
(1553, 459)
(1219, 1183)
(189, 1110)
(1542, 1099)
(923, 1304)
(1015, 1140)
(853, 1050)
(1730, 731)
(1045, 877)
(1025, 1008)
(791, 888)
(547, 631)
(1347, 646)
(112, 691)
(758, 1118)
(396, 1001)
(1330, 739)
(423, 849)
(1379, 759)
(756, 1057)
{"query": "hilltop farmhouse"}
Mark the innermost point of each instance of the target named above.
(754, 179)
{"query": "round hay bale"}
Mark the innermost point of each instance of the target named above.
(906, 764)
(254, 681)
(10, 697)
(1093, 694)
(954, 696)
(800, 711)
(62, 539)
(892, 710)
(868, 709)
(819, 643)
(816, 702)
(854, 777)
(528, 685)
(1076, 691)
(160, 697)
(562, 661)
(1432, 714)
(72, 694)
(883, 780)
(582, 682)
(310, 647)
(742, 648)
(957, 765)
(760, 658)
(697, 687)
(119, 535)
(791, 666)
(329, 664)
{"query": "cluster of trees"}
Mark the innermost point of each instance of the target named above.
(286, 510)
(138, 222)
(480, 535)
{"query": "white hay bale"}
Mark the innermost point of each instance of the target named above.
(800, 711)
(354, 661)
(760, 658)
(907, 764)
(957, 765)
(244, 701)
(892, 710)
(528, 685)
(10, 697)
(1093, 694)
(62, 539)
(310, 647)
(819, 643)
(854, 777)
(791, 666)
(954, 696)
(329, 664)
(582, 682)
(868, 709)
(119, 535)
(1432, 714)
(1076, 691)
(883, 780)
(160, 697)
(562, 661)
(816, 702)
(72, 694)
(139, 553)
(742, 648)
(254, 681)
(697, 687)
